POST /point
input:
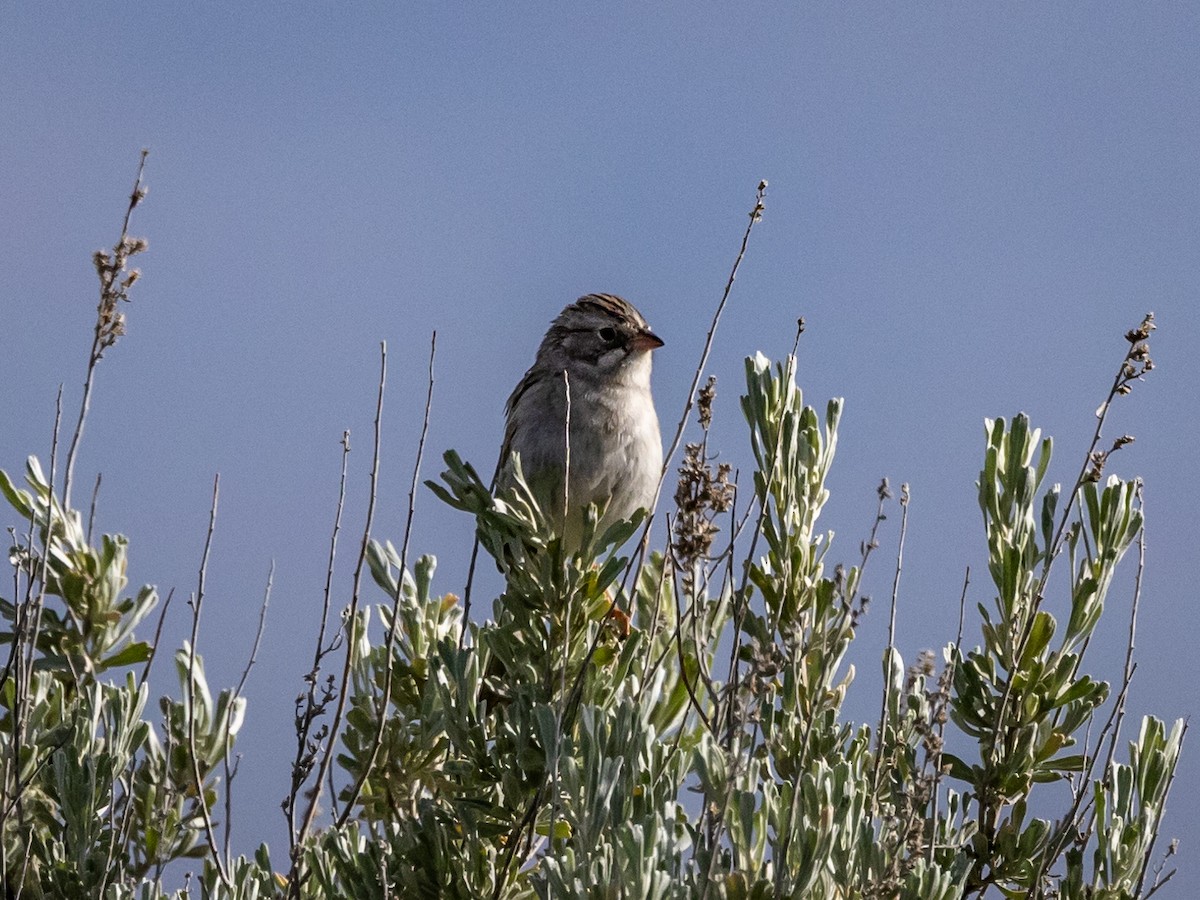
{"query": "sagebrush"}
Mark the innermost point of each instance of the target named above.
(631, 720)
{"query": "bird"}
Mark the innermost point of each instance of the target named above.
(603, 345)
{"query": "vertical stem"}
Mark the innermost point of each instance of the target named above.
(386, 700)
(296, 876)
(107, 280)
(891, 646)
(209, 831)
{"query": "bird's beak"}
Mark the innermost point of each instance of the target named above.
(646, 340)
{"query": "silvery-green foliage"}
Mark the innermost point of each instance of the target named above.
(695, 745)
(97, 797)
(1021, 696)
(90, 629)
(1129, 804)
(631, 768)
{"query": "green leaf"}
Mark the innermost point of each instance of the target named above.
(1040, 632)
(133, 654)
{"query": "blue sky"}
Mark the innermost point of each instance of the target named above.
(969, 204)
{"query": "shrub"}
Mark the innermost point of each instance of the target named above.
(645, 723)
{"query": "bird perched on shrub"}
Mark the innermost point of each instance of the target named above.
(597, 349)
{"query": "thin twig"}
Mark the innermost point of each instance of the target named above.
(308, 707)
(162, 617)
(514, 838)
(386, 700)
(948, 675)
(103, 335)
(566, 377)
(327, 594)
(258, 633)
(653, 663)
(462, 634)
(962, 607)
(891, 645)
(231, 772)
(92, 508)
(1158, 884)
(412, 489)
(693, 700)
(351, 625)
(690, 402)
(197, 604)
(560, 701)
(1127, 674)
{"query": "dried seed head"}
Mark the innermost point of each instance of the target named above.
(1142, 332)
(704, 401)
(133, 245)
(700, 496)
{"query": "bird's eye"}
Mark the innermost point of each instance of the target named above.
(607, 334)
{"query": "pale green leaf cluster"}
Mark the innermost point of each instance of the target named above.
(98, 798)
(670, 725)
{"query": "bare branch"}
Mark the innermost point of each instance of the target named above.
(385, 701)
(110, 324)
(351, 624)
(197, 604)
